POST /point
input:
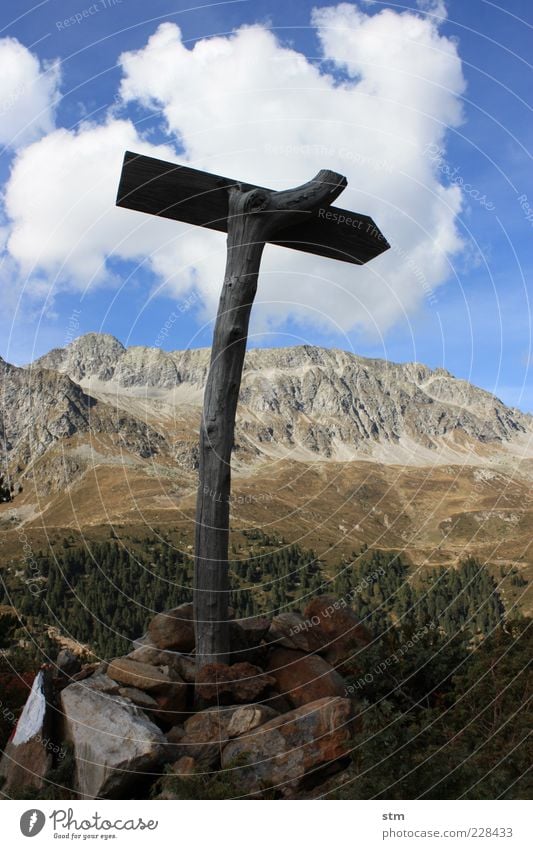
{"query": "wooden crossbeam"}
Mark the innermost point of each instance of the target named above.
(197, 197)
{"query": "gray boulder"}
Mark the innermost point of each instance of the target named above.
(114, 741)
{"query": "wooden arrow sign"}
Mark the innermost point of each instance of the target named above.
(199, 198)
(300, 218)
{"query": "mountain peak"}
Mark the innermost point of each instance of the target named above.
(94, 337)
(91, 355)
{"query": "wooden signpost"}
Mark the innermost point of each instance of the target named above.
(300, 218)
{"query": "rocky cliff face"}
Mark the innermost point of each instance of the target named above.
(302, 403)
(42, 408)
(317, 401)
(99, 357)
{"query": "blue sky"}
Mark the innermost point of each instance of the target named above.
(425, 106)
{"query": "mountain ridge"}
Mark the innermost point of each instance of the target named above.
(318, 400)
(59, 359)
(332, 450)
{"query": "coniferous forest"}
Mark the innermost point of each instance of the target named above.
(103, 596)
(441, 689)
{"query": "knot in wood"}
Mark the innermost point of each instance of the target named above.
(256, 201)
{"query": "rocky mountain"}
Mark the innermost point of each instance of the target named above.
(332, 449)
(42, 407)
(312, 402)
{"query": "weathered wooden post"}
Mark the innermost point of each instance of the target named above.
(301, 218)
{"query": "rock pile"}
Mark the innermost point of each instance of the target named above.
(276, 719)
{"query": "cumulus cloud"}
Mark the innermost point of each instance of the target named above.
(28, 93)
(387, 89)
(61, 196)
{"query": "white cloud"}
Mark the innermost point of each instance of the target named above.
(437, 8)
(246, 106)
(28, 93)
(61, 196)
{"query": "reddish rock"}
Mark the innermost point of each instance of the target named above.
(173, 629)
(143, 676)
(186, 666)
(86, 671)
(292, 631)
(184, 766)
(304, 678)
(341, 634)
(147, 654)
(165, 687)
(171, 706)
(278, 703)
(246, 636)
(173, 737)
(293, 747)
(254, 628)
(175, 734)
(218, 683)
(182, 664)
(204, 735)
(248, 717)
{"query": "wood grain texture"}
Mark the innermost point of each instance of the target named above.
(254, 215)
(199, 198)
